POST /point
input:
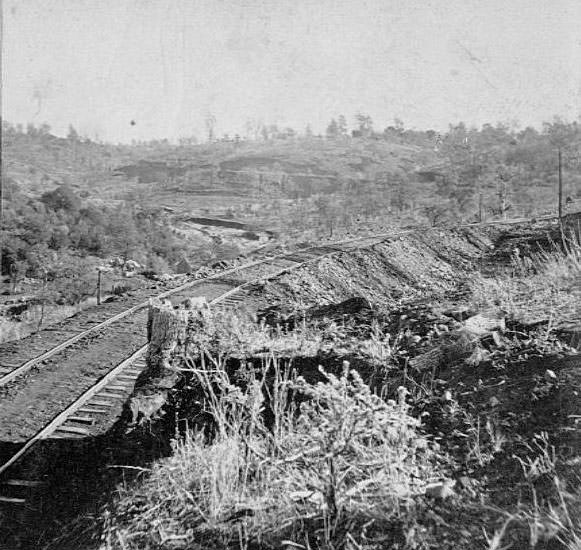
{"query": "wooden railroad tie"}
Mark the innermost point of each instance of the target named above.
(101, 403)
(23, 483)
(12, 500)
(132, 372)
(108, 395)
(5, 365)
(73, 430)
(127, 384)
(62, 435)
(82, 419)
(93, 411)
(120, 388)
(115, 390)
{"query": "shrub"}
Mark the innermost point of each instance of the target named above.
(343, 456)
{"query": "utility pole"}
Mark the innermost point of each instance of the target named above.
(480, 208)
(560, 188)
(98, 287)
(502, 197)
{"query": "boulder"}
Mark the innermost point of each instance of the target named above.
(145, 408)
(459, 313)
(441, 490)
(550, 375)
(197, 303)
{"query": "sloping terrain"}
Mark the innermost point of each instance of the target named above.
(497, 401)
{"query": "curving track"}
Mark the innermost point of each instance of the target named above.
(64, 389)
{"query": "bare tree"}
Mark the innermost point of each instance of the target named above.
(364, 124)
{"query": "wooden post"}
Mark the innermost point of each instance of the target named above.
(13, 278)
(502, 198)
(480, 208)
(560, 188)
(98, 287)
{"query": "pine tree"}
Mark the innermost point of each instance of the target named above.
(332, 129)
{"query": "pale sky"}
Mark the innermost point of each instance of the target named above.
(166, 64)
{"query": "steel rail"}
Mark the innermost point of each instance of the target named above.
(25, 367)
(102, 383)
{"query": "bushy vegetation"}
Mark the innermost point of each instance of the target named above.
(399, 175)
(59, 239)
(340, 466)
(86, 198)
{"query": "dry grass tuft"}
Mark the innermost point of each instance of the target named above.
(543, 286)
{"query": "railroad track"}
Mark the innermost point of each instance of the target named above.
(113, 382)
(9, 371)
(117, 383)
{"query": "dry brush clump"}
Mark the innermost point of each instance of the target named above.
(332, 466)
(543, 285)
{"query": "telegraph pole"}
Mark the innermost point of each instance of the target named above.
(560, 188)
(98, 286)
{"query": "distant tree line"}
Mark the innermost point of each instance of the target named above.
(362, 173)
(58, 233)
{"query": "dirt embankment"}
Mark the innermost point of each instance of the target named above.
(422, 264)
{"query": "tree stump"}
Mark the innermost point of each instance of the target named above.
(166, 332)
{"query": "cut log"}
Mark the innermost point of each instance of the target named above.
(427, 361)
(456, 346)
(483, 324)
